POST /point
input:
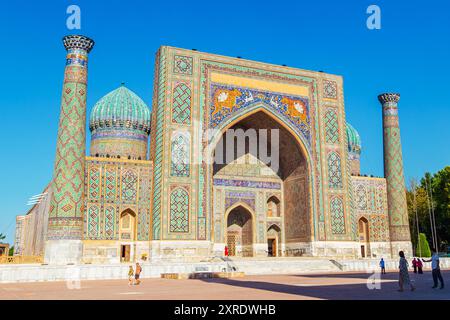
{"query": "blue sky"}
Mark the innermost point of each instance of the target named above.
(410, 55)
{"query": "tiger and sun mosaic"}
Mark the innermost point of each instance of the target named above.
(135, 200)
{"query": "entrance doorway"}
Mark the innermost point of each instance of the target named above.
(125, 253)
(240, 232)
(272, 247)
(363, 228)
(273, 241)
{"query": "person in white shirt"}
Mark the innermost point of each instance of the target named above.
(435, 269)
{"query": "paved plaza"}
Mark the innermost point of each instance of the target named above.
(347, 286)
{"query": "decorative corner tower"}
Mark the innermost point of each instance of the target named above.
(65, 222)
(393, 172)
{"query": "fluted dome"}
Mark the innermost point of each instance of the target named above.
(353, 140)
(120, 125)
(121, 108)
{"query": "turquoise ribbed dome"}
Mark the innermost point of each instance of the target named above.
(353, 139)
(121, 108)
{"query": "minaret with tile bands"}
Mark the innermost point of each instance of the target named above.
(65, 222)
(393, 172)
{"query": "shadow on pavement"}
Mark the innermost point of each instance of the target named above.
(359, 291)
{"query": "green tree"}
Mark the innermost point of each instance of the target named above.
(423, 248)
(2, 236)
(11, 251)
(433, 192)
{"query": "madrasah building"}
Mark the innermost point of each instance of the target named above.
(152, 186)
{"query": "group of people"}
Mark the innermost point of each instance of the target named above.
(417, 264)
(134, 273)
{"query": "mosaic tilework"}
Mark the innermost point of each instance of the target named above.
(232, 197)
(67, 203)
(157, 152)
(110, 183)
(337, 216)
(129, 186)
(378, 228)
(183, 65)
(255, 71)
(227, 100)
(393, 169)
(334, 170)
(94, 183)
(331, 127)
(122, 185)
(371, 202)
(143, 224)
(179, 210)
(247, 183)
(110, 217)
(330, 89)
(180, 150)
(361, 197)
(181, 104)
(93, 221)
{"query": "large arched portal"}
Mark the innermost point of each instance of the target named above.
(258, 156)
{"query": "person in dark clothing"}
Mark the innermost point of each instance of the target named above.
(382, 266)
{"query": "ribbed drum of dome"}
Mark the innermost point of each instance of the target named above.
(65, 220)
(120, 125)
(393, 171)
(354, 149)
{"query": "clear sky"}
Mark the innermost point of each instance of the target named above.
(409, 55)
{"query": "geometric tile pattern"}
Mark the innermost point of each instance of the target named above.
(329, 89)
(181, 105)
(110, 216)
(334, 171)
(393, 169)
(331, 127)
(94, 183)
(93, 222)
(144, 223)
(337, 216)
(67, 203)
(182, 64)
(371, 203)
(157, 152)
(129, 186)
(118, 185)
(110, 180)
(378, 228)
(180, 166)
(179, 210)
(361, 197)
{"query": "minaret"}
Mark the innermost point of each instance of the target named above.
(65, 222)
(393, 172)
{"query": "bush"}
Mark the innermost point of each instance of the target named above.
(424, 247)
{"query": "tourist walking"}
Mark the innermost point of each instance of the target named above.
(130, 275)
(414, 264)
(403, 279)
(435, 269)
(137, 274)
(382, 266)
(419, 266)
